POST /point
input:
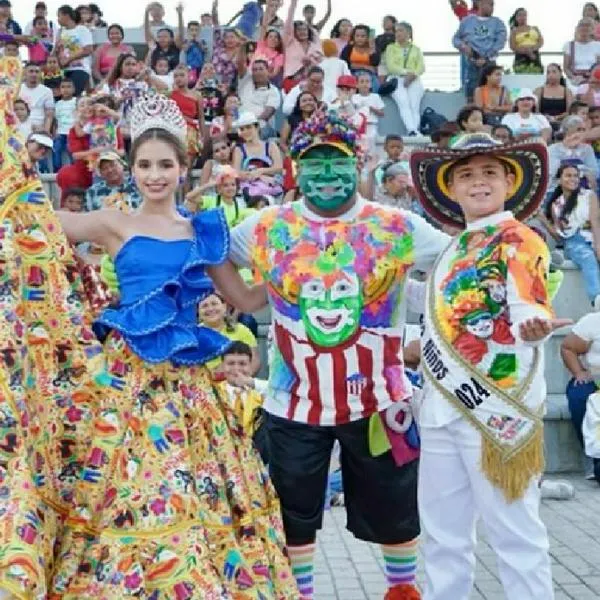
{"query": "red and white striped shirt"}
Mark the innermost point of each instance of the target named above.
(332, 386)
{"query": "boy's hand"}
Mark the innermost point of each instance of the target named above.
(240, 380)
(536, 329)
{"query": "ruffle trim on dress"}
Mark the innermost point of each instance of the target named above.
(153, 327)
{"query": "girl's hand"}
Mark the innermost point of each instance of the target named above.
(194, 195)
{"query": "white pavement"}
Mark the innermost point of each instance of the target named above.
(347, 569)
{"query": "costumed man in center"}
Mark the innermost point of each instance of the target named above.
(488, 312)
(337, 271)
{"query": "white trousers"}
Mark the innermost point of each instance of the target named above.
(408, 101)
(453, 493)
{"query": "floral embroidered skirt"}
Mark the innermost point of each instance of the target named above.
(173, 500)
(50, 379)
(117, 478)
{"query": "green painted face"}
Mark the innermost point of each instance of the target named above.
(327, 177)
(331, 315)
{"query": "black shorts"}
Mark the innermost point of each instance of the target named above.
(380, 497)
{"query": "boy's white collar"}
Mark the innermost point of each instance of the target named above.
(489, 220)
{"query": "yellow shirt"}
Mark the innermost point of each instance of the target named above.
(240, 334)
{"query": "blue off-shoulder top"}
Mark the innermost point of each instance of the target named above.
(161, 283)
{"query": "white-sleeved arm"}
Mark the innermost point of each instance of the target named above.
(415, 293)
(261, 386)
(241, 239)
(428, 243)
(289, 102)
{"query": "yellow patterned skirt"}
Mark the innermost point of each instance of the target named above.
(117, 479)
(173, 499)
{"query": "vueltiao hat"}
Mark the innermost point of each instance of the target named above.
(527, 159)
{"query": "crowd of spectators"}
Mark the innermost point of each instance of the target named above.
(245, 85)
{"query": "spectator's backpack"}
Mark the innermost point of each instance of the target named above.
(431, 121)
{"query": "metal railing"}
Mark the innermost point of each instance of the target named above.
(442, 69)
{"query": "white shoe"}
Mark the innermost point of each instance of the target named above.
(557, 490)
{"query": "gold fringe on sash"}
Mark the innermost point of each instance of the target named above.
(514, 475)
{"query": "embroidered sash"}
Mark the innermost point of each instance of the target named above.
(512, 448)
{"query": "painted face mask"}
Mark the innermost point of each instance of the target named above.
(479, 324)
(327, 178)
(331, 314)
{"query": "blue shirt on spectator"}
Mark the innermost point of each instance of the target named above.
(485, 35)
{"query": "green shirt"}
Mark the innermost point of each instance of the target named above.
(235, 212)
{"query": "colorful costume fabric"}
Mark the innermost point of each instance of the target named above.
(49, 363)
(489, 281)
(336, 289)
(121, 474)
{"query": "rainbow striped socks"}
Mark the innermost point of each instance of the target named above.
(400, 562)
(302, 559)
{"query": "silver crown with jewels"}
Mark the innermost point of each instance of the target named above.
(157, 112)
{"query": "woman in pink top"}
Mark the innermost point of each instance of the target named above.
(302, 49)
(270, 47)
(341, 34)
(106, 55)
(590, 92)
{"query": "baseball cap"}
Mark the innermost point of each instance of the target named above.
(42, 139)
(112, 156)
(347, 81)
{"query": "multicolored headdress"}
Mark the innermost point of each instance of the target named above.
(325, 129)
(527, 160)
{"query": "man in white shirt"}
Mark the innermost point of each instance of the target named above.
(313, 84)
(258, 95)
(38, 97)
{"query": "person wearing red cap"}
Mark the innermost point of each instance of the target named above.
(347, 86)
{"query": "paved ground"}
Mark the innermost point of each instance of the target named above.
(347, 569)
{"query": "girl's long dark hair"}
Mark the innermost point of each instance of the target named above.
(486, 72)
(116, 71)
(570, 198)
(562, 79)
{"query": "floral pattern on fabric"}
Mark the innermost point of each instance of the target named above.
(49, 361)
(336, 291)
(472, 307)
(118, 478)
(173, 500)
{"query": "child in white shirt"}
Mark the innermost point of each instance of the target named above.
(65, 112)
(22, 111)
(371, 105)
(162, 73)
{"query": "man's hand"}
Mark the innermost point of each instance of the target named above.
(408, 79)
(536, 329)
(583, 377)
(480, 62)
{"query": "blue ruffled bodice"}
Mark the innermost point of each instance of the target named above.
(161, 283)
